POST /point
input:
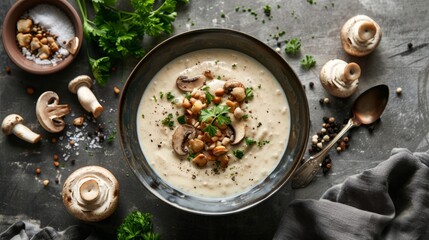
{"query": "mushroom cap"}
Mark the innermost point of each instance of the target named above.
(231, 84)
(340, 78)
(180, 136)
(49, 113)
(187, 84)
(79, 81)
(9, 123)
(360, 35)
(91, 193)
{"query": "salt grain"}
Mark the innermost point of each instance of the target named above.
(54, 20)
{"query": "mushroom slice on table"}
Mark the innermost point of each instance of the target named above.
(12, 124)
(340, 78)
(91, 193)
(360, 35)
(49, 113)
(181, 136)
(81, 85)
(187, 84)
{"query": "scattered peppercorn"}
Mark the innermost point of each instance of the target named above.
(410, 46)
(54, 140)
(57, 181)
(398, 91)
(56, 157)
(78, 121)
(8, 70)
(73, 161)
(326, 100)
(311, 85)
(116, 90)
(330, 129)
(45, 182)
(30, 90)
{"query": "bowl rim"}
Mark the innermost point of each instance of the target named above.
(9, 27)
(296, 159)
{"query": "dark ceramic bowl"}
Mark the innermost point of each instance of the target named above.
(9, 34)
(198, 40)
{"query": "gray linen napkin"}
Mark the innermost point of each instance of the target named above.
(389, 201)
(28, 231)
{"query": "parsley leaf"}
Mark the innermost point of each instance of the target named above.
(238, 153)
(170, 96)
(308, 62)
(214, 115)
(168, 121)
(209, 96)
(111, 136)
(181, 119)
(137, 225)
(292, 46)
(100, 69)
(249, 141)
(249, 93)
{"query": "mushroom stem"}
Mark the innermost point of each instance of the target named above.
(351, 73)
(23, 132)
(88, 101)
(366, 31)
(89, 190)
(340, 78)
(360, 35)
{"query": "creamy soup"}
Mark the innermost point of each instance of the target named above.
(263, 113)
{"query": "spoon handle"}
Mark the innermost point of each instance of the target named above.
(306, 172)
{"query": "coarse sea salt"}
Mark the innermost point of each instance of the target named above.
(54, 20)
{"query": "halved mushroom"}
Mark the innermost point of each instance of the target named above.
(187, 84)
(360, 35)
(181, 135)
(91, 193)
(49, 113)
(73, 45)
(239, 130)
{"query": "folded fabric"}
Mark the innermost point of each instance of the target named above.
(28, 231)
(389, 201)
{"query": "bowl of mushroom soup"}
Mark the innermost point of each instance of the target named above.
(213, 121)
(42, 36)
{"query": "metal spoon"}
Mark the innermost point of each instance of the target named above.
(366, 109)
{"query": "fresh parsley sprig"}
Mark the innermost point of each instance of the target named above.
(214, 115)
(120, 33)
(137, 226)
(292, 46)
(308, 62)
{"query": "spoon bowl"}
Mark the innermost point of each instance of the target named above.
(369, 106)
(366, 109)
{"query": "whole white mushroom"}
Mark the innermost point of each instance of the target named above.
(360, 35)
(12, 124)
(91, 193)
(340, 78)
